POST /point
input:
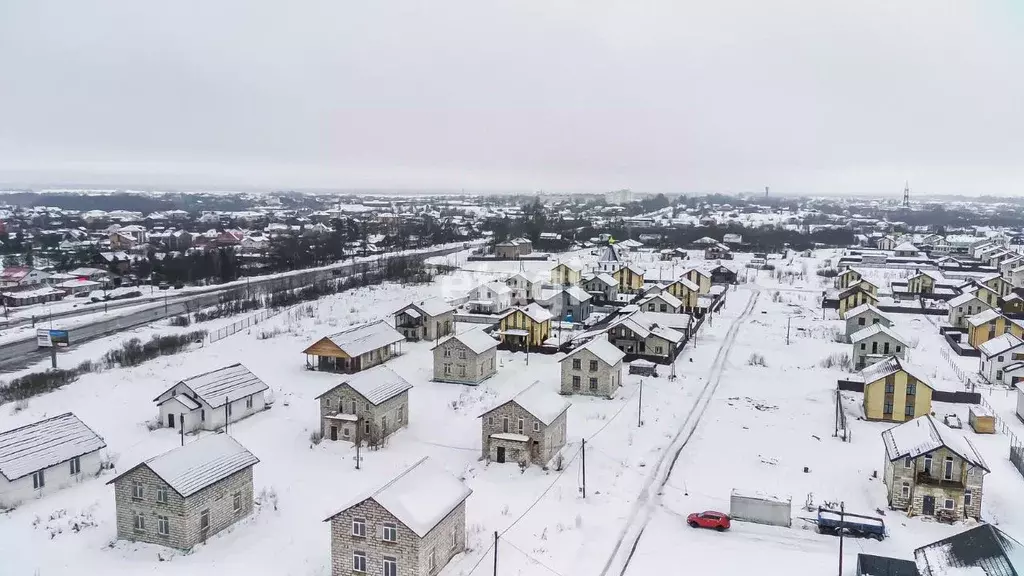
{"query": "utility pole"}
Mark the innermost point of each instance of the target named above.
(359, 441)
(842, 528)
(640, 404)
(789, 321)
(227, 412)
(583, 452)
(495, 553)
(181, 425)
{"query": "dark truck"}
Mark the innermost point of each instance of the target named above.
(835, 522)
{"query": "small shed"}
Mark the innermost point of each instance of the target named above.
(761, 508)
(870, 565)
(982, 420)
(643, 368)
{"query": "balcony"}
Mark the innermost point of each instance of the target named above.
(932, 480)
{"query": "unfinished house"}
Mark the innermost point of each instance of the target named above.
(429, 319)
(932, 470)
(646, 335)
(210, 400)
(182, 497)
(593, 369)
(354, 349)
(46, 456)
(366, 407)
(414, 524)
(527, 429)
(467, 358)
(875, 343)
(963, 307)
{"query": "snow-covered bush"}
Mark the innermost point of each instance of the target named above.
(267, 497)
(756, 359)
(181, 321)
(19, 406)
(839, 360)
(315, 437)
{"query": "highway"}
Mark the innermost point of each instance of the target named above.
(18, 354)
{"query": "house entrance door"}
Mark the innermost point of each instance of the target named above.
(334, 432)
(501, 454)
(928, 506)
(170, 420)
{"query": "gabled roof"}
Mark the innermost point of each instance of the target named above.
(222, 385)
(359, 340)
(378, 384)
(430, 307)
(534, 311)
(688, 284)
(926, 434)
(605, 278)
(999, 345)
(644, 325)
(476, 340)
(577, 293)
(858, 287)
(983, 317)
(632, 268)
(545, 405)
(873, 330)
(602, 348)
(45, 443)
(905, 247)
(934, 275)
(419, 498)
(663, 295)
(985, 548)
(610, 254)
(698, 271)
(858, 310)
(888, 366)
(190, 468)
(964, 299)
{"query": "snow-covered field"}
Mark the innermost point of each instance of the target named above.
(724, 423)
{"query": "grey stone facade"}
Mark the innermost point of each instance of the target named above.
(608, 292)
(183, 515)
(907, 488)
(864, 320)
(544, 440)
(410, 552)
(878, 345)
(456, 362)
(382, 419)
(585, 373)
(424, 327)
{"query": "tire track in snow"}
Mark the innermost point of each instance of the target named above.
(650, 494)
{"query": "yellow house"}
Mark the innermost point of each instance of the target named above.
(988, 324)
(892, 393)
(867, 286)
(630, 279)
(987, 295)
(853, 297)
(699, 278)
(525, 326)
(847, 278)
(566, 275)
(923, 282)
(687, 292)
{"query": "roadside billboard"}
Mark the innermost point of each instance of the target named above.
(47, 338)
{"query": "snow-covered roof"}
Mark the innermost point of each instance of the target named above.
(45, 443)
(905, 247)
(663, 295)
(183, 400)
(963, 299)
(980, 551)
(983, 317)
(419, 498)
(602, 348)
(688, 284)
(644, 325)
(873, 330)
(198, 464)
(535, 311)
(359, 340)
(577, 293)
(223, 385)
(430, 307)
(610, 254)
(999, 344)
(888, 366)
(858, 310)
(476, 340)
(925, 434)
(545, 405)
(378, 384)
(605, 279)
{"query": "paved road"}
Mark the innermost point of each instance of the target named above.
(22, 353)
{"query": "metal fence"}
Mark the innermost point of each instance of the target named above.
(242, 324)
(960, 374)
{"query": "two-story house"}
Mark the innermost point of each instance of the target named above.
(874, 343)
(412, 525)
(467, 358)
(700, 278)
(997, 355)
(429, 319)
(895, 391)
(988, 324)
(182, 497)
(594, 369)
(660, 302)
(602, 287)
(847, 278)
(864, 316)
(963, 307)
(565, 274)
(212, 399)
(490, 298)
(643, 336)
(630, 279)
(686, 292)
(924, 282)
(525, 326)
(932, 470)
(529, 428)
(855, 296)
(365, 407)
(569, 304)
(524, 288)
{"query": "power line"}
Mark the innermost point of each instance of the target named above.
(532, 559)
(542, 494)
(482, 556)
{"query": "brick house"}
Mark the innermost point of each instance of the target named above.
(365, 407)
(932, 470)
(528, 428)
(430, 319)
(182, 497)
(413, 525)
(467, 358)
(594, 369)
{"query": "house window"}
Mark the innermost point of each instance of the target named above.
(928, 464)
(490, 420)
(447, 352)
(353, 407)
(447, 368)
(657, 349)
(887, 408)
(202, 415)
(967, 497)
(911, 388)
(947, 471)
(863, 346)
(248, 403)
(575, 382)
(999, 359)
(38, 479)
(327, 402)
(908, 411)
(462, 354)
(906, 490)
(577, 364)
(431, 561)
(860, 321)
(898, 348)
(462, 369)
(401, 414)
(390, 566)
(950, 504)
(359, 527)
(161, 494)
(593, 384)
(359, 562)
(389, 533)
(890, 387)
(504, 424)
(137, 491)
(163, 525)
(455, 539)
(593, 365)
(521, 425)
(76, 465)
(237, 502)
(366, 427)
(536, 426)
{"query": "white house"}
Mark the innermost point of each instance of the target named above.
(998, 354)
(660, 302)
(862, 316)
(906, 250)
(963, 307)
(208, 400)
(45, 456)
(490, 298)
(874, 343)
(524, 289)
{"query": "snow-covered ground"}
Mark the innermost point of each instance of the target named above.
(724, 423)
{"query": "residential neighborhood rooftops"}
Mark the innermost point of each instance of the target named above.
(358, 340)
(602, 348)
(223, 385)
(378, 384)
(999, 345)
(198, 464)
(925, 434)
(476, 340)
(873, 330)
(419, 498)
(45, 443)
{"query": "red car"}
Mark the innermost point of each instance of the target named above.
(709, 519)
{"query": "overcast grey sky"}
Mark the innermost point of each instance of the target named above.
(808, 96)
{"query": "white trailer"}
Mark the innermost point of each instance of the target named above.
(761, 508)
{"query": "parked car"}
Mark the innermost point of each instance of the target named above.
(710, 519)
(164, 286)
